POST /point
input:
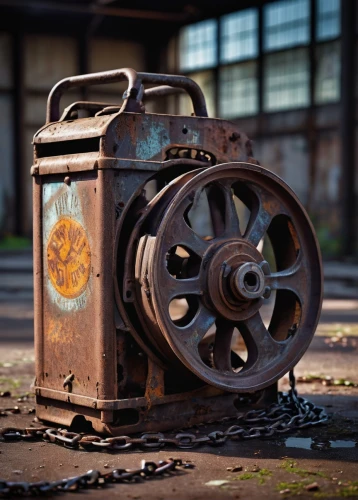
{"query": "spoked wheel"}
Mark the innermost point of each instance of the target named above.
(223, 280)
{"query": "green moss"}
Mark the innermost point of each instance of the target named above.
(260, 475)
(310, 377)
(264, 472)
(9, 383)
(294, 488)
(290, 466)
(246, 475)
(349, 490)
(320, 474)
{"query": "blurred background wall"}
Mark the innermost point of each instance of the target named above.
(285, 71)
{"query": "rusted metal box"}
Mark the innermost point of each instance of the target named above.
(102, 353)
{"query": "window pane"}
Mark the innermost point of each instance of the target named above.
(328, 67)
(198, 45)
(286, 24)
(205, 80)
(286, 80)
(239, 36)
(238, 90)
(328, 19)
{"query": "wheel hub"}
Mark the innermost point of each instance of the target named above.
(248, 281)
(235, 280)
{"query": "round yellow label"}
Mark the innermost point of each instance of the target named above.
(68, 258)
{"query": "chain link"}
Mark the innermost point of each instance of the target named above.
(91, 479)
(292, 412)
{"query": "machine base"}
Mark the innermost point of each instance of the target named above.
(142, 415)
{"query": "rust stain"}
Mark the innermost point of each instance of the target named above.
(58, 334)
(68, 258)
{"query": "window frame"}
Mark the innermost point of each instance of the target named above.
(289, 45)
(311, 47)
(319, 39)
(186, 67)
(255, 30)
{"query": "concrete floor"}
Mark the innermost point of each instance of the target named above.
(284, 465)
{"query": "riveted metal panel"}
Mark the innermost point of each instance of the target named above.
(75, 277)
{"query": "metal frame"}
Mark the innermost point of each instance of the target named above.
(77, 340)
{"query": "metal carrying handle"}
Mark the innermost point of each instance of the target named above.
(182, 82)
(117, 75)
(132, 96)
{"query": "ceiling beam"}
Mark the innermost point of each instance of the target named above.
(96, 9)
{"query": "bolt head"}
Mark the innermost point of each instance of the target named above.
(267, 292)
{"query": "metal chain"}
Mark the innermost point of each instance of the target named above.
(91, 479)
(292, 412)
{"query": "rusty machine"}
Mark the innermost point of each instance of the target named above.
(176, 279)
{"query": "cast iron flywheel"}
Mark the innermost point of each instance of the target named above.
(223, 279)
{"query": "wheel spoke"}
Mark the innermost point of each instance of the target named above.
(182, 234)
(294, 279)
(232, 223)
(177, 288)
(194, 332)
(262, 348)
(222, 345)
(217, 209)
(262, 213)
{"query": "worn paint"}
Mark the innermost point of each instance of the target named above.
(66, 247)
(155, 140)
(68, 258)
(57, 333)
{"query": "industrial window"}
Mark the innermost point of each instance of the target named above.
(239, 36)
(226, 61)
(197, 44)
(328, 66)
(286, 24)
(328, 19)
(238, 90)
(286, 80)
